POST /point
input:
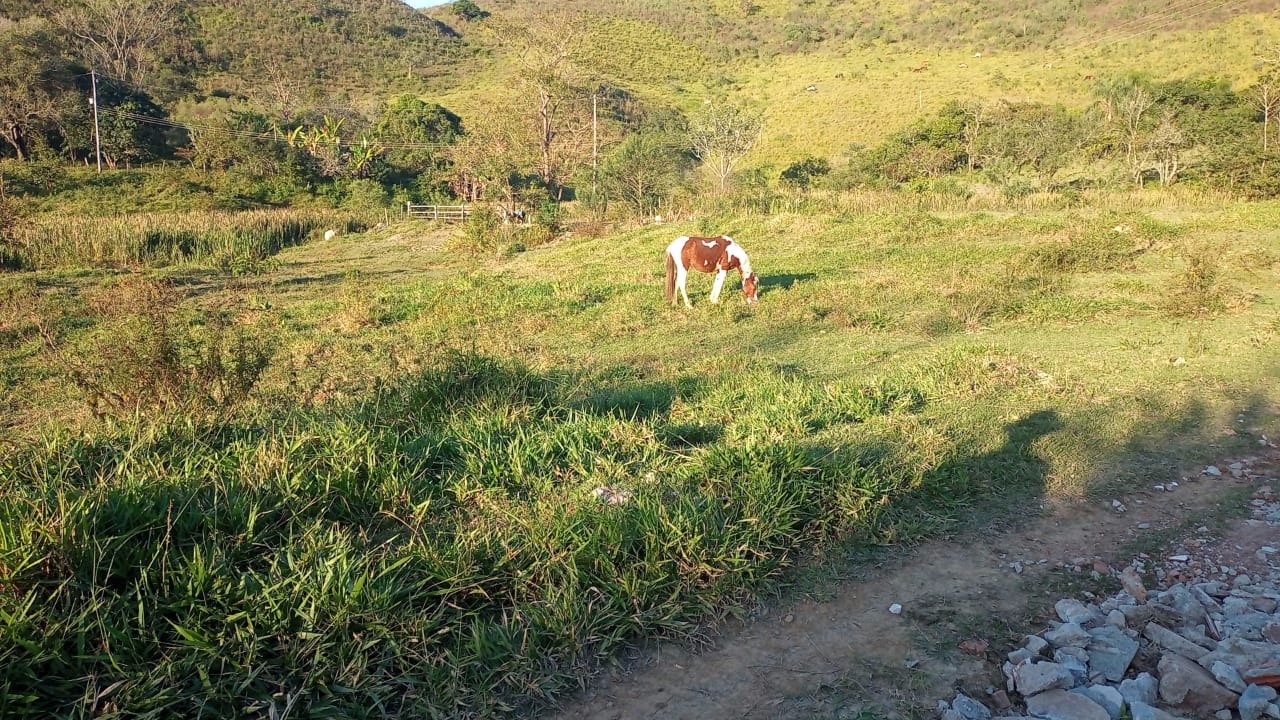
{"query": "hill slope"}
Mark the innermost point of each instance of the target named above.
(875, 67)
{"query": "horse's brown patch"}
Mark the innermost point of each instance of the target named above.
(707, 254)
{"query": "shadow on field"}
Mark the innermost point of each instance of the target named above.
(639, 401)
(783, 281)
(507, 513)
(965, 491)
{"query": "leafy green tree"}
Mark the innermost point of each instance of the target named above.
(33, 77)
(721, 135)
(928, 148)
(1033, 136)
(416, 133)
(131, 124)
(642, 171)
(243, 139)
(469, 11)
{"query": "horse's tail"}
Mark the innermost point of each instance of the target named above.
(671, 277)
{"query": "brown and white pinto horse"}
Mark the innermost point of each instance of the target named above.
(708, 254)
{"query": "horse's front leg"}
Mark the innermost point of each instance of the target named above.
(715, 287)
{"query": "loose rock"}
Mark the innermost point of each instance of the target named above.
(1254, 701)
(970, 709)
(1034, 678)
(1110, 652)
(1062, 705)
(1186, 685)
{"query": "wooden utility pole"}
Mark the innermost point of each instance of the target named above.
(97, 134)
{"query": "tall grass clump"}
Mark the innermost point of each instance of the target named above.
(231, 240)
(145, 355)
(1199, 289)
(459, 544)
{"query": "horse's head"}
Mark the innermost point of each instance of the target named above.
(751, 288)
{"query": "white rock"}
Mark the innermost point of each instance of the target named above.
(1106, 696)
(1254, 701)
(1038, 677)
(1227, 675)
(1074, 611)
(970, 709)
(895, 609)
(1141, 689)
(1035, 644)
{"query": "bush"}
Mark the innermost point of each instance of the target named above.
(1199, 290)
(482, 232)
(805, 173)
(148, 357)
(365, 195)
(468, 10)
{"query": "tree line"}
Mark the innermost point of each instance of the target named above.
(561, 131)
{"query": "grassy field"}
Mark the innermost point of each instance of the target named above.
(380, 476)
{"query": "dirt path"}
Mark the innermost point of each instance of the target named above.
(836, 658)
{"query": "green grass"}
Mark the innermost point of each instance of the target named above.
(397, 512)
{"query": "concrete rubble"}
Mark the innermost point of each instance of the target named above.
(1189, 636)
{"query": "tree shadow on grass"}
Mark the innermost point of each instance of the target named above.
(783, 281)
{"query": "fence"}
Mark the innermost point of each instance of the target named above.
(438, 212)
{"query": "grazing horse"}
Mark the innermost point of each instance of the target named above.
(708, 254)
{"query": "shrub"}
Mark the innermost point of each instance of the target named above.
(365, 195)
(468, 10)
(1199, 289)
(481, 233)
(805, 173)
(148, 357)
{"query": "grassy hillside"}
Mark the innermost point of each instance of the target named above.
(380, 475)
(891, 64)
(341, 47)
(314, 51)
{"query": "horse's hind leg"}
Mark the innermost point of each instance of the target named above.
(682, 279)
(717, 285)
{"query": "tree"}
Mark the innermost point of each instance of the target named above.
(552, 100)
(642, 171)
(1165, 147)
(128, 124)
(721, 135)
(33, 77)
(122, 38)
(487, 155)
(244, 140)
(416, 132)
(977, 117)
(1266, 98)
(1126, 101)
(469, 11)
